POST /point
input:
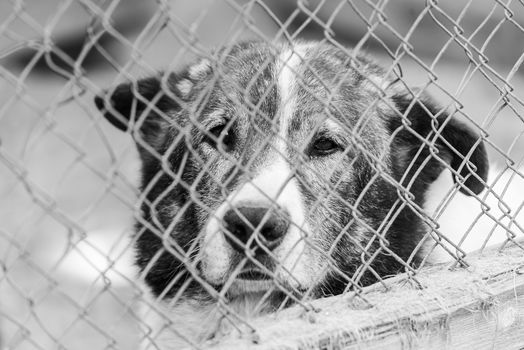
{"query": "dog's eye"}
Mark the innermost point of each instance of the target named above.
(217, 131)
(222, 135)
(324, 146)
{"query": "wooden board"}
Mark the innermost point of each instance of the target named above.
(481, 307)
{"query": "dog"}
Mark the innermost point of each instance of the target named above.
(277, 172)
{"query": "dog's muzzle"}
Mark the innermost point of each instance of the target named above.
(257, 235)
(255, 228)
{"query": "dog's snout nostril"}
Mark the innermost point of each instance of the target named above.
(274, 229)
(242, 222)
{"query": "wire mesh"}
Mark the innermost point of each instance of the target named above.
(270, 153)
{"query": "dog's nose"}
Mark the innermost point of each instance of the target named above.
(242, 222)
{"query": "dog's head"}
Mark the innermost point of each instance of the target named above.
(292, 168)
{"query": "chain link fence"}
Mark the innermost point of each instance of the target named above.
(206, 222)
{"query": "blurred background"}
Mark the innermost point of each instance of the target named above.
(68, 179)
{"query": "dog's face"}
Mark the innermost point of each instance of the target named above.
(284, 170)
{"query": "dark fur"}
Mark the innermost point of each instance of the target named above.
(168, 128)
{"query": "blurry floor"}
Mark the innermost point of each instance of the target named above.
(55, 191)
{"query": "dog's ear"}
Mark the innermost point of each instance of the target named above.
(427, 138)
(141, 106)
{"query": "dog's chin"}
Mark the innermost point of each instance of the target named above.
(264, 293)
(250, 286)
(252, 297)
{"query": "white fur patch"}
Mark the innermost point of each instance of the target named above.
(292, 251)
(334, 126)
(215, 252)
(200, 69)
(184, 86)
(217, 114)
(462, 219)
(266, 187)
(287, 66)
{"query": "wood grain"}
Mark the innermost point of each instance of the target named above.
(481, 307)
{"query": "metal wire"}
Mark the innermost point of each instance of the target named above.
(72, 214)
